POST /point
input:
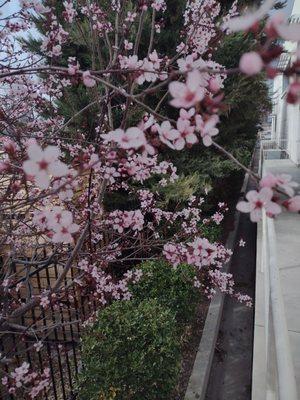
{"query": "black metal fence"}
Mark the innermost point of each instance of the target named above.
(59, 327)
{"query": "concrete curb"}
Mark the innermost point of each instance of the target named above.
(198, 381)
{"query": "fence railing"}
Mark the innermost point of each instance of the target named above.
(280, 378)
(60, 328)
(271, 150)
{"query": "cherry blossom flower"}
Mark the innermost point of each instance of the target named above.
(290, 32)
(217, 218)
(131, 62)
(256, 202)
(88, 80)
(128, 45)
(43, 164)
(121, 220)
(283, 181)
(70, 13)
(185, 134)
(207, 129)
(184, 114)
(130, 16)
(293, 204)
(192, 63)
(167, 134)
(62, 226)
(9, 145)
(246, 21)
(251, 63)
(186, 95)
(242, 243)
(214, 85)
(44, 301)
(133, 138)
(159, 5)
(172, 253)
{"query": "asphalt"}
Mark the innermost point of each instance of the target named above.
(231, 372)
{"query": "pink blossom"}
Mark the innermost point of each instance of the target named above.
(121, 220)
(4, 380)
(62, 226)
(246, 21)
(69, 13)
(257, 201)
(251, 63)
(192, 63)
(214, 85)
(186, 134)
(289, 32)
(207, 129)
(133, 138)
(131, 62)
(128, 45)
(44, 301)
(9, 145)
(159, 5)
(283, 181)
(184, 114)
(217, 218)
(44, 163)
(293, 204)
(88, 80)
(130, 16)
(186, 95)
(172, 253)
(167, 133)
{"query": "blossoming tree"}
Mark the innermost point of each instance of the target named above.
(56, 183)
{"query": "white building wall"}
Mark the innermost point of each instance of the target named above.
(286, 117)
(279, 110)
(293, 116)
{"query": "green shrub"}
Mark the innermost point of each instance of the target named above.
(211, 232)
(171, 287)
(131, 353)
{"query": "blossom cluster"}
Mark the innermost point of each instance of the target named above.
(23, 376)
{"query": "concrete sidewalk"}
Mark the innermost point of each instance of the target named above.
(287, 227)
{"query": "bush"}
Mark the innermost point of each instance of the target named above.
(131, 352)
(211, 232)
(171, 287)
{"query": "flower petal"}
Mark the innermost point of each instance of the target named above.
(51, 153)
(58, 169)
(42, 180)
(30, 167)
(35, 152)
(243, 206)
(273, 208)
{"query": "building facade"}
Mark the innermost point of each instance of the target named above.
(286, 117)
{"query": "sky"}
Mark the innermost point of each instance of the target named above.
(11, 7)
